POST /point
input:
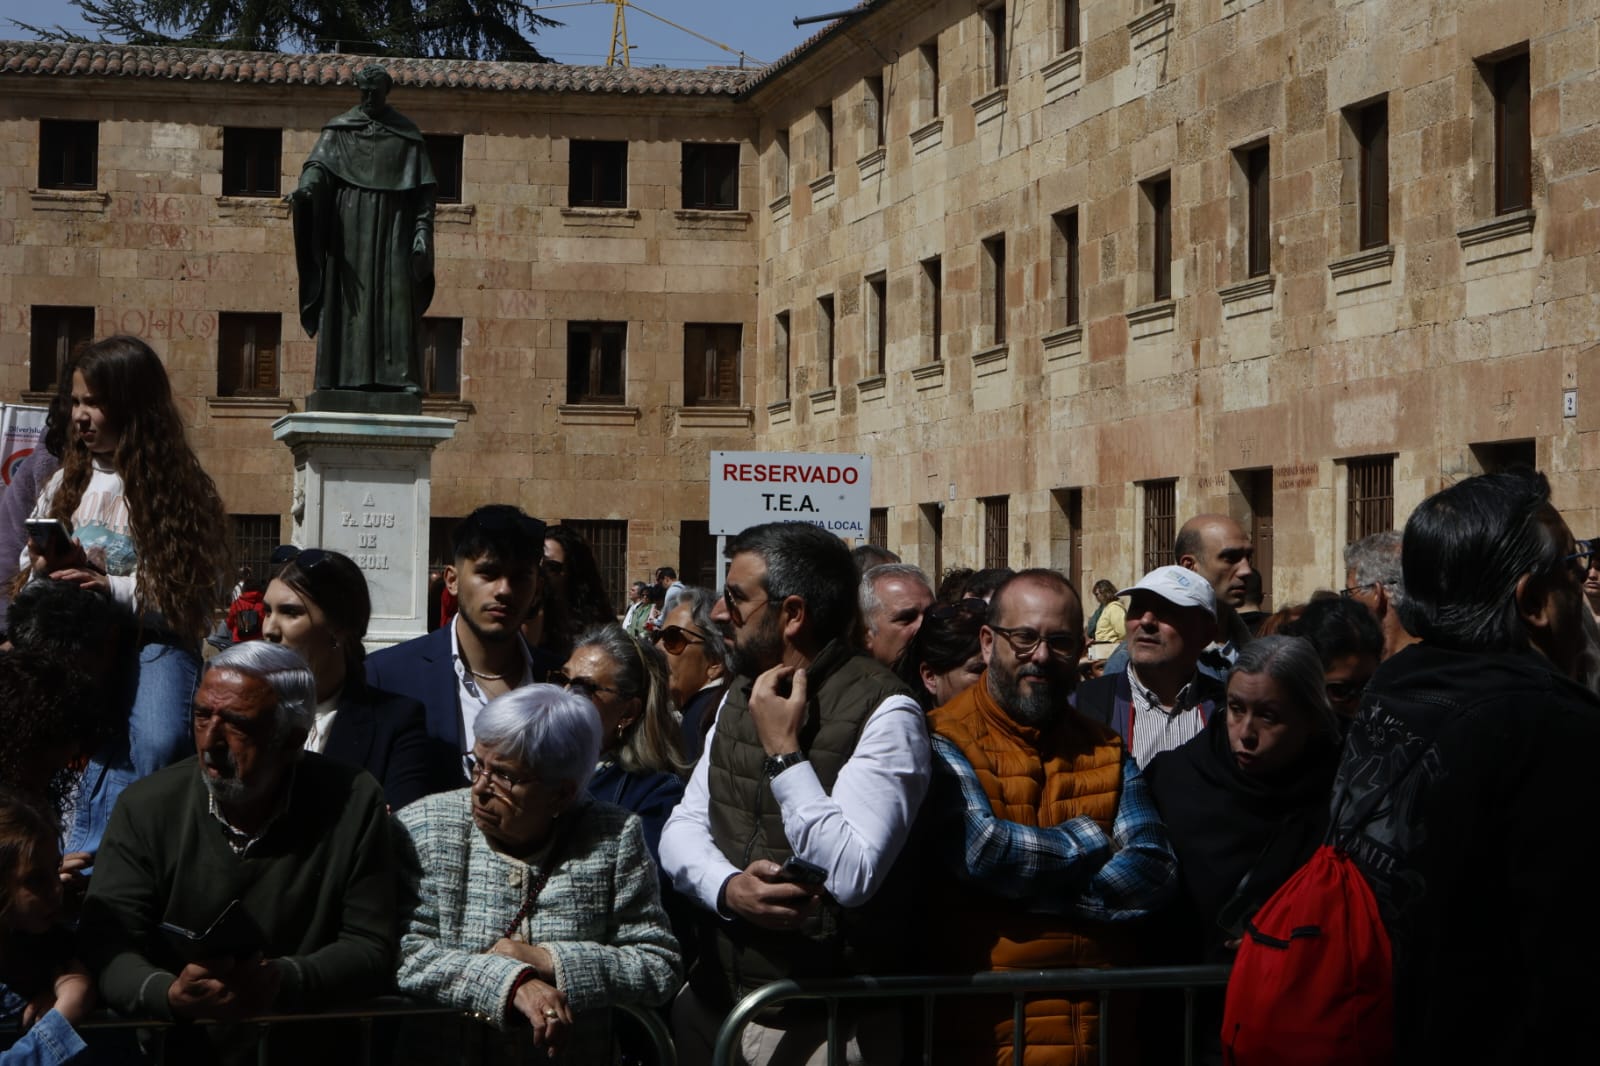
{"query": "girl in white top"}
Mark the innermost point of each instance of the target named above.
(149, 529)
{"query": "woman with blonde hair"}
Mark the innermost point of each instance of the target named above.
(143, 521)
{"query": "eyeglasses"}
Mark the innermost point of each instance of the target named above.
(498, 779)
(1024, 640)
(1585, 556)
(306, 558)
(735, 614)
(1350, 593)
(1344, 691)
(971, 607)
(674, 639)
(583, 686)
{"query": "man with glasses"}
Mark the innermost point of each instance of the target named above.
(457, 669)
(1042, 822)
(1372, 579)
(1465, 790)
(1164, 697)
(793, 820)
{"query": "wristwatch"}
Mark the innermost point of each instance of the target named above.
(774, 765)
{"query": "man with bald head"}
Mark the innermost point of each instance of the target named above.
(1043, 823)
(1219, 550)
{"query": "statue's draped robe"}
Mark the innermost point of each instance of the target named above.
(364, 248)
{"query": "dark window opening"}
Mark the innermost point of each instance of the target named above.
(995, 19)
(1513, 144)
(1371, 125)
(598, 174)
(69, 152)
(55, 335)
(441, 358)
(1064, 264)
(997, 531)
(595, 357)
(608, 540)
(444, 153)
(877, 325)
(1159, 195)
(711, 364)
(1371, 503)
(251, 161)
(825, 345)
(1257, 165)
(995, 270)
(933, 307)
(711, 177)
(1160, 522)
(247, 354)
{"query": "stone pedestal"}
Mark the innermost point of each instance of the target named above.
(362, 488)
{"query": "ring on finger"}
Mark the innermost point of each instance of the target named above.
(551, 1012)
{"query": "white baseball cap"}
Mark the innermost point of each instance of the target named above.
(1179, 586)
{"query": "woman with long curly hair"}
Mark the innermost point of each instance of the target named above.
(148, 527)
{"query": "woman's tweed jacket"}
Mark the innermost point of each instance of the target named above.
(599, 916)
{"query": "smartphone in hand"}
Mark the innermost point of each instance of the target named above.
(799, 872)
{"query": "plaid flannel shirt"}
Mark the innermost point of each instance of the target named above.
(1072, 868)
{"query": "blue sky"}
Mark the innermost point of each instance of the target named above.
(763, 29)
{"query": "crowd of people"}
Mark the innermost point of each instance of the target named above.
(835, 766)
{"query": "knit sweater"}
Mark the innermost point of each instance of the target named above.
(599, 915)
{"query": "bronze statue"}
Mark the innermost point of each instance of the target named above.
(363, 237)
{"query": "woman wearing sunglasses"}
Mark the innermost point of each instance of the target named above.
(698, 665)
(318, 605)
(641, 767)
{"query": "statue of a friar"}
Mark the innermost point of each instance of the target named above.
(363, 237)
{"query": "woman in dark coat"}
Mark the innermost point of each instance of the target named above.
(318, 605)
(1245, 804)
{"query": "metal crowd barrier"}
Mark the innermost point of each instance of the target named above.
(1018, 984)
(364, 1015)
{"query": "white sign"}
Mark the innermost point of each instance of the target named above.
(831, 491)
(21, 431)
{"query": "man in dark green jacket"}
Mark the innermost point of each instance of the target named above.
(289, 850)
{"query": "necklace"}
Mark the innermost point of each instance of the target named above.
(486, 677)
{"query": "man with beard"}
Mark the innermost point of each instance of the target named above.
(1042, 819)
(819, 754)
(292, 848)
(1165, 696)
(457, 669)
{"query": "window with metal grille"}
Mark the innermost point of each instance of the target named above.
(697, 554)
(444, 153)
(598, 174)
(1513, 143)
(247, 354)
(1158, 197)
(878, 526)
(1160, 522)
(608, 539)
(994, 283)
(783, 353)
(996, 531)
(711, 364)
(440, 340)
(1371, 502)
(1064, 268)
(711, 177)
(1370, 125)
(69, 152)
(825, 347)
(251, 161)
(933, 307)
(994, 21)
(254, 537)
(877, 325)
(825, 131)
(55, 334)
(1256, 163)
(1071, 24)
(596, 353)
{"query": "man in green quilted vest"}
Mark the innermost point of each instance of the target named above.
(819, 756)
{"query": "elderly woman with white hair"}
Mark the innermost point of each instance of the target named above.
(536, 905)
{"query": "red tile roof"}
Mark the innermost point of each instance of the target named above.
(274, 68)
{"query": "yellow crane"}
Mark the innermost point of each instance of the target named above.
(619, 36)
(618, 52)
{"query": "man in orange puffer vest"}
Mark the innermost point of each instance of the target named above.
(1049, 830)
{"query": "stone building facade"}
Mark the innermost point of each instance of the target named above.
(1069, 270)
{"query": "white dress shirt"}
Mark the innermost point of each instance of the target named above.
(322, 723)
(470, 696)
(855, 834)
